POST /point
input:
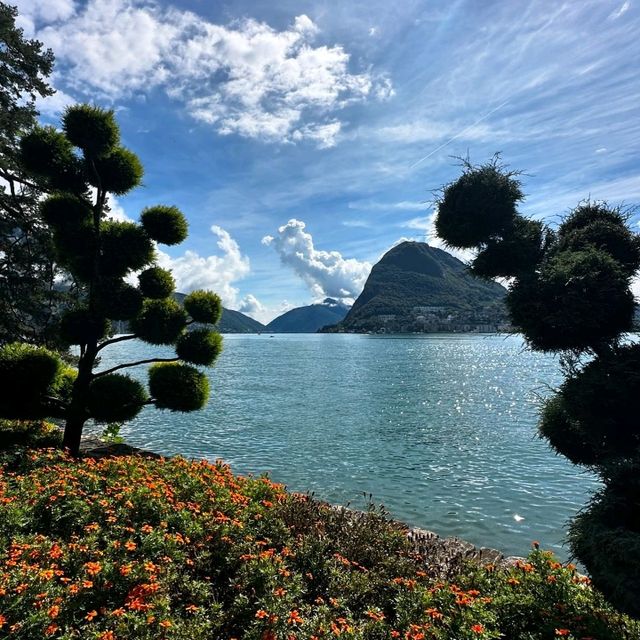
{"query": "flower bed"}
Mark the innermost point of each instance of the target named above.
(129, 547)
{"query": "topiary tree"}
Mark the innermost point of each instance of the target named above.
(103, 256)
(570, 293)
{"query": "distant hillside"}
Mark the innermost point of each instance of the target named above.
(310, 318)
(415, 287)
(232, 321)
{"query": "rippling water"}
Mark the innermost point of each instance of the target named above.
(439, 428)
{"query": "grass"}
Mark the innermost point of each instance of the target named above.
(131, 547)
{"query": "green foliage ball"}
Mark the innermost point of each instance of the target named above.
(156, 283)
(578, 300)
(160, 321)
(166, 225)
(200, 346)
(63, 384)
(118, 172)
(65, 212)
(124, 247)
(178, 387)
(47, 153)
(565, 434)
(606, 539)
(589, 212)
(115, 398)
(519, 251)
(26, 374)
(614, 239)
(81, 326)
(118, 300)
(203, 306)
(478, 206)
(75, 248)
(91, 128)
(603, 399)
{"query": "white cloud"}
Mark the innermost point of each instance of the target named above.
(327, 273)
(246, 78)
(251, 306)
(621, 11)
(403, 205)
(31, 12)
(53, 106)
(217, 273)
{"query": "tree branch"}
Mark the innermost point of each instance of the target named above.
(133, 364)
(106, 343)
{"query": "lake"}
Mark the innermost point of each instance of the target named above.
(441, 428)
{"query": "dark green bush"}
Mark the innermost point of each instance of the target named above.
(64, 212)
(520, 250)
(26, 374)
(91, 128)
(578, 300)
(115, 398)
(80, 326)
(47, 153)
(33, 434)
(118, 300)
(200, 346)
(203, 306)
(478, 206)
(160, 321)
(118, 172)
(156, 283)
(125, 247)
(178, 387)
(606, 537)
(166, 225)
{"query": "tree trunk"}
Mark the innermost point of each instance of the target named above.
(77, 414)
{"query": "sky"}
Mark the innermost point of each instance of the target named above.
(303, 139)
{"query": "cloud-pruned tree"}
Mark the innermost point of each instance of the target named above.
(81, 165)
(570, 293)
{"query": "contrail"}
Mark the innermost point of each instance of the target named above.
(442, 146)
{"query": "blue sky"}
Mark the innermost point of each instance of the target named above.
(303, 139)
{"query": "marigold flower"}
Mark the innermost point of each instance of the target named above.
(477, 628)
(129, 545)
(93, 568)
(562, 632)
(375, 615)
(107, 635)
(279, 592)
(294, 618)
(165, 624)
(3, 621)
(91, 615)
(192, 608)
(261, 613)
(51, 629)
(54, 611)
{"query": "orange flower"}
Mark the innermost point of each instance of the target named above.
(192, 608)
(129, 545)
(91, 615)
(93, 568)
(434, 614)
(513, 581)
(375, 615)
(279, 592)
(477, 628)
(51, 629)
(125, 570)
(3, 621)
(562, 632)
(53, 611)
(294, 618)
(87, 584)
(261, 613)
(107, 635)
(165, 624)
(118, 612)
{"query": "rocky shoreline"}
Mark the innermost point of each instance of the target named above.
(444, 557)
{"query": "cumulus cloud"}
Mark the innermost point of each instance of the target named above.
(252, 306)
(245, 78)
(215, 272)
(327, 273)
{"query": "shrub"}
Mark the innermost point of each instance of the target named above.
(165, 225)
(178, 387)
(203, 306)
(147, 549)
(200, 346)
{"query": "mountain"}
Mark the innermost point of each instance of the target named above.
(310, 318)
(232, 321)
(415, 287)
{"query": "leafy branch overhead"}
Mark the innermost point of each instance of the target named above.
(570, 292)
(81, 165)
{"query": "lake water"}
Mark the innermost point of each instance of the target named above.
(441, 429)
